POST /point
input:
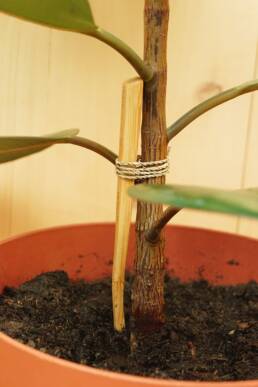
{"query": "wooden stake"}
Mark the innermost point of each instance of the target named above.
(129, 134)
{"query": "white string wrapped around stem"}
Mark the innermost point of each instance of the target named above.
(140, 170)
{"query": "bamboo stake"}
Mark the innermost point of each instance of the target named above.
(128, 147)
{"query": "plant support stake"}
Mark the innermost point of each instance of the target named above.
(129, 134)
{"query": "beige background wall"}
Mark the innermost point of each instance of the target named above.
(53, 80)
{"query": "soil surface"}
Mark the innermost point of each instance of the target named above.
(211, 333)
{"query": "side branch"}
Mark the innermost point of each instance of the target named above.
(153, 234)
(210, 103)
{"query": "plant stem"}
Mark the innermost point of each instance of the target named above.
(148, 285)
(153, 235)
(210, 103)
(93, 146)
(143, 69)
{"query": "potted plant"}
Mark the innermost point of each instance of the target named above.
(63, 248)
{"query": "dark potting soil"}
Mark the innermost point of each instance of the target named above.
(211, 333)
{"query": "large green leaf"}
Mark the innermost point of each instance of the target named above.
(73, 15)
(240, 202)
(12, 148)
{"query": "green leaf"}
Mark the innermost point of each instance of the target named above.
(73, 15)
(12, 148)
(240, 202)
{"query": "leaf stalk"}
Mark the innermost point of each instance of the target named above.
(93, 146)
(142, 68)
(210, 103)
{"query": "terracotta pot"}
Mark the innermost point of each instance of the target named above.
(85, 251)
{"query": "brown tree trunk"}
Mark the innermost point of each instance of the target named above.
(148, 286)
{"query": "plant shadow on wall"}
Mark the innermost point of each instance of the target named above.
(146, 310)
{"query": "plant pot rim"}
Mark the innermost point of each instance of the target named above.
(30, 233)
(121, 377)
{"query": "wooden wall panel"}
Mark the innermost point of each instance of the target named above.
(24, 72)
(212, 48)
(53, 80)
(250, 170)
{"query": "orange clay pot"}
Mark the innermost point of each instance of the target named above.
(85, 251)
